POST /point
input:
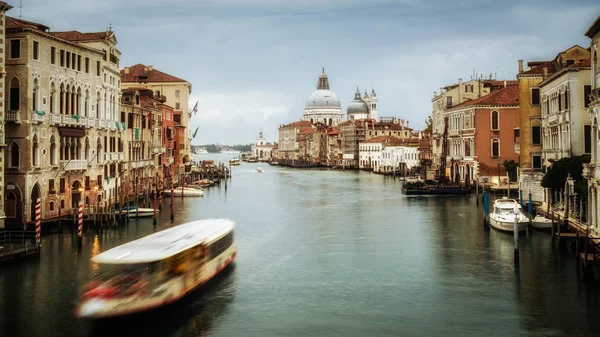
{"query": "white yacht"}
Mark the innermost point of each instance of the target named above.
(541, 222)
(158, 269)
(503, 215)
(187, 191)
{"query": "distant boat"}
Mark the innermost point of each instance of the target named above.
(134, 212)
(234, 162)
(201, 150)
(187, 192)
(260, 170)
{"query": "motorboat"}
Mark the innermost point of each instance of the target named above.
(541, 222)
(187, 191)
(503, 216)
(158, 269)
(136, 212)
(260, 170)
(234, 162)
(204, 182)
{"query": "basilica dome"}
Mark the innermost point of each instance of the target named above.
(358, 106)
(323, 105)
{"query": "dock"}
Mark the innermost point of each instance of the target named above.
(17, 244)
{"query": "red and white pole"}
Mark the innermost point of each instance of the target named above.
(38, 222)
(80, 223)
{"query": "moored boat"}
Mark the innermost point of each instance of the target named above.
(134, 212)
(158, 269)
(503, 216)
(187, 192)
(541, 222)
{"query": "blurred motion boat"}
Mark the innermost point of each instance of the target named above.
(158, 269)
(260, 170)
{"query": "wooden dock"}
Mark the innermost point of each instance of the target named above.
(17, 244)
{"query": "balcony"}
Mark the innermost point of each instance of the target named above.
(100, 123)
(38, 118)
(91, 122)
(74, 165)
(158, 149)
(552, 119)
(13, 116)
(54, 118)
(71, 120)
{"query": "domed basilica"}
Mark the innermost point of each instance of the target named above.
(323, 106)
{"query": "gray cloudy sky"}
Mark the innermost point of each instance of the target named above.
(253, 63)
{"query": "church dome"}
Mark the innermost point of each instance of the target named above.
(358, 106)
(323, 99)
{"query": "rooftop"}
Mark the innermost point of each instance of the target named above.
(508, 96)
(143, 73)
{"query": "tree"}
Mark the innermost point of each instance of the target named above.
(428, 125)
(556, 176)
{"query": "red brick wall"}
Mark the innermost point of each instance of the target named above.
(509, 120)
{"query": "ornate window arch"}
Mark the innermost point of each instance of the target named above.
(495, 116)
(495, 148)
(14, 155)
(35, 151)
(14, 102)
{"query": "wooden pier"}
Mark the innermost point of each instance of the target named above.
(17, 244)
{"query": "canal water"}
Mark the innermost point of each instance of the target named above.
(324, 253)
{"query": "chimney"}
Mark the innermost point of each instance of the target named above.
(126, 70)
(145, 70)
(505, 83)
(460, 90)
(545, 72)
(434, 93)
(150, 68)
(520, 66)
(406, 123)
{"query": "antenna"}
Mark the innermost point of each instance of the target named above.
(20, 8)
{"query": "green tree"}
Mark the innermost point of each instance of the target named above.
(428, 125)
(557, 174)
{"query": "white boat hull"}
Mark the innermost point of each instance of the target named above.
(507, 226)
(169, 292)
(541, 223)
(187, 192)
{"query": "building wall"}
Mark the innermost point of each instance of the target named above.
(508, 119)
(3, 8)
(529, 116)
(593, 169)
(37, 137)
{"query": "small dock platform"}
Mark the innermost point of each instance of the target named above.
(17, 244)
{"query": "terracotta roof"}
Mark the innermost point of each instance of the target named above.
(384, 139)
(14, 23)
(307, 131)
(142, 73)
(594, 28)
(539, 68)
(584, 63)
(508, 96)
(76, 36)
(496, 83)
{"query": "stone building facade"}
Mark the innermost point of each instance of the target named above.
(4, 7)
(64, 129)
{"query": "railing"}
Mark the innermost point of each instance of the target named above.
(159, 149)
(13, 116)
(16, 242)
(54, 118)
(552, 118)
(74, 165)
(35, 117)
(91, 122)
(101, 123)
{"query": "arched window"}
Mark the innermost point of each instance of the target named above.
(52, 150)
(87, 149)
(14, 155)
(78, 100)
(62, 100)
(35, 99)
(86, 107)
(10, 206)
(35, 152)
(15, 94)
(52, 99)
(495, 148)
(330, 121)
(495, 121)
(98, 105)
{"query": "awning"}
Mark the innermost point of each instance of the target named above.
(71, 132)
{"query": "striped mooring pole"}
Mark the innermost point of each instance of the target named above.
(80, 224)
(38, 222)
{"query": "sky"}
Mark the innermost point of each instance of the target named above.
(253, 63)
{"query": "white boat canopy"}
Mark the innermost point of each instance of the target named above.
(506, 203)
(166, 243)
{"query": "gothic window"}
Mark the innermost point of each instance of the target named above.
(35, 152)
(495, 121)
(14, 94)
(14, 155)
(35, 95)
(52, 94)
(495, 148)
